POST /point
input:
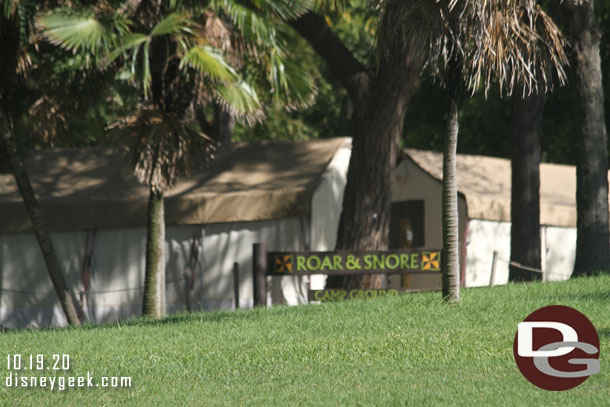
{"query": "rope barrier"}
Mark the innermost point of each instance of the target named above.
(521, 266)
(7, 290)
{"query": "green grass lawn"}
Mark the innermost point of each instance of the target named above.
(404, 351)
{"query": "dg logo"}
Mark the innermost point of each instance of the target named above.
(556, 348)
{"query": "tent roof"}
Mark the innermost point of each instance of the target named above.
(93, 188)
(486, 184)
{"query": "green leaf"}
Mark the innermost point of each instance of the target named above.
(74, 32)
(84, 32)
(172, 24)
(209, 62)
(239, 97)
(130, 43)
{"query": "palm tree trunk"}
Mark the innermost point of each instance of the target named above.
(42, 236)
(154, 280)
(593, 239)
(525, 191)
(450, 264)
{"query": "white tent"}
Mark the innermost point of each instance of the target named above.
(285, 194)
(484, 185)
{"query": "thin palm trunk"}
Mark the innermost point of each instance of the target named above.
(450, 254)
(42, 236)
(154, 284)
(525, 191)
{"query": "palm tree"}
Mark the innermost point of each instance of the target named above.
(477, 42)
(161, 147)
(15, 28)
(183, 57)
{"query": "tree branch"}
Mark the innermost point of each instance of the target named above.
(344, 66)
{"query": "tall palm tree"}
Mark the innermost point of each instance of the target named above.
(182, 56)
(513, 43)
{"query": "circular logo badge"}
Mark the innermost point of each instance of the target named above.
(556, 348)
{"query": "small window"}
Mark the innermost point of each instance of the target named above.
(407, 225)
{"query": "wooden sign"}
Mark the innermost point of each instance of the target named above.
(390, 262)
(306, 263)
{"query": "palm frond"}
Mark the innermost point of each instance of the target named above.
(514, 43)
(84, 32)
(285, 9)
(253, 27)
(161, 146)
(174, 23)
(517, 44)
(239, 99)
(209, 62)
(130, 44)
(291, 85)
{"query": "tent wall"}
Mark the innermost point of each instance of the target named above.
(410, 182)
(485, 236)
(326, 208)
(558, 252)
(227, 243)
(26, 293)
(117, 279)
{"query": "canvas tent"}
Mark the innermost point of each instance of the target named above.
(285, 194)
(484, 185)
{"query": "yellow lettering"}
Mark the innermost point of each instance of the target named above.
(337, 263)
(367, 262)
(301, 263)
(378, 262)
(317, 295)
(326, 264)
(313, 263)
(404, 261)
(415, 261)
(394, 259)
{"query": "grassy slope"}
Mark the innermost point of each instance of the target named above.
(412, 350)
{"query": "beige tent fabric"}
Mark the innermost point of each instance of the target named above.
(486, 184)
(93, 188)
